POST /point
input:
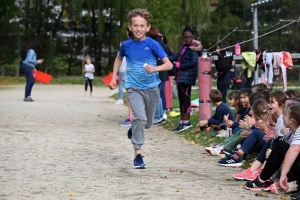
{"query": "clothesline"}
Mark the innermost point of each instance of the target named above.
(209, 53)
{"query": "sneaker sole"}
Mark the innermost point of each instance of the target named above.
(258, 189)
(276, 189)
(184, 129)
(125, 125)
(244, 178)
(139, 167)
(231, 165)
(208, 151)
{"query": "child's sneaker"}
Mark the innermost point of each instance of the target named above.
(247, 174)
(221, 134)
(184, 127)
(119, 102)
(165, 116)
(230, 162)
(257, 185)
(160, 122)
(127, 122)
(138, 162)
(277, 189)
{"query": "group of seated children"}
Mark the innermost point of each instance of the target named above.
(268, 123)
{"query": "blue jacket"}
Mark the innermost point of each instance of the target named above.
(217, 118)
(188, 71)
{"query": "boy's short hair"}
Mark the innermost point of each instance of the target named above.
(139, 12)
(278, 96)
(255, 96)
(88, 58)
(215, 95)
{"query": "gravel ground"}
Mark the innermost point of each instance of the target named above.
(69, 146)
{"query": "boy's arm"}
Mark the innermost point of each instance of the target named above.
(164, 67)
(117, 65)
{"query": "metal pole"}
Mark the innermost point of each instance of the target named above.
(83, 54)
(255, 41)
(18, 60)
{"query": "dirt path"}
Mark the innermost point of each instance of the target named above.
(69, 146)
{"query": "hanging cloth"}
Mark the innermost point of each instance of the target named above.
(249, 62)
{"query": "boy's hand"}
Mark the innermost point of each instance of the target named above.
(113, 83)
(149, 68)
(225, 118)
(245, 133)
(229, 123)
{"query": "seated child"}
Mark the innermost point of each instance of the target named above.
(222, 109)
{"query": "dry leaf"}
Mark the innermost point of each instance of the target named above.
(178, 190)
(71, 195)
(192, 142)
(223, 176)
(181, 171)
(222, 188)
(261, 194)
(164, 177)
(242, 186)
(172, 170)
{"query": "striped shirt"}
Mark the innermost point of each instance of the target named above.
(296, 139)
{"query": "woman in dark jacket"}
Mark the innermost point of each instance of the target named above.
(186, 71)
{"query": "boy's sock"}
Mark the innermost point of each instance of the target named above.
(237, 155)
(181, 122)
(185, 121)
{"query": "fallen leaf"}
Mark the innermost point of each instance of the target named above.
(172, 170)
(222, 176)
(164, 177)
(71, 195)
(222, 188)
(261, 194)
(181, 171)
(242, 186)
(178, 190)
(192, 142)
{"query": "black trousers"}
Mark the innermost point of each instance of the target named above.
(90, 82)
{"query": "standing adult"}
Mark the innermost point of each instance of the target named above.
(186, 71)
(223, 67)
(28, 66)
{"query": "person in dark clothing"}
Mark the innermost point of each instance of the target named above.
(185, 69)
(223, 67)
(163, 75)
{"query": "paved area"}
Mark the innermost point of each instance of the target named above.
(69, 146)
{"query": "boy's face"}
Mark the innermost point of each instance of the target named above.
(88, 61)
(139, 28)
(232, 102)
(274, 106)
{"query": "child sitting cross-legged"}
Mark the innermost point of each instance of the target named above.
(222, 109)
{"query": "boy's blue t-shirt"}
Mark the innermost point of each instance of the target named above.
(137, 54)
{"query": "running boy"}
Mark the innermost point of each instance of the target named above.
(142, 79)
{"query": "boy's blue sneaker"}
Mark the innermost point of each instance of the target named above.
(127, 122)
(129, 133)
(138, 162)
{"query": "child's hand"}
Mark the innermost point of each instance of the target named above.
(250, 120)
(225, 118)
(150, 68)
(243, 124)
(113, 83)
(229, 123)
(245, 133)
(261, 125)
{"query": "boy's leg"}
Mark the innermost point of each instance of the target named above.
(86, 84)
(91, 85)
(152, 100)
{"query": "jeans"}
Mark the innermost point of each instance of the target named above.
(275, 160)
(120, 76)
(159, 108)
(88, 82)
(163, 96)
(255, 136)
(29, 79)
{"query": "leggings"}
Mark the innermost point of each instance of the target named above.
(90, 82)
(184, 96)
(275, 160)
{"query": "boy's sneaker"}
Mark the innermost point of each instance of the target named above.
(119, 102)
(247, 174)
(160, 122)
(129, 133)
(127, 122)
(177, 128)
(257, 185)
(277, 189)
(223, 126)
(228, 152)
(221, 134)
(184, 127)
(230, 162)
(138, 162)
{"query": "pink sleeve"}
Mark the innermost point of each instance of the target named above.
(177, 65)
